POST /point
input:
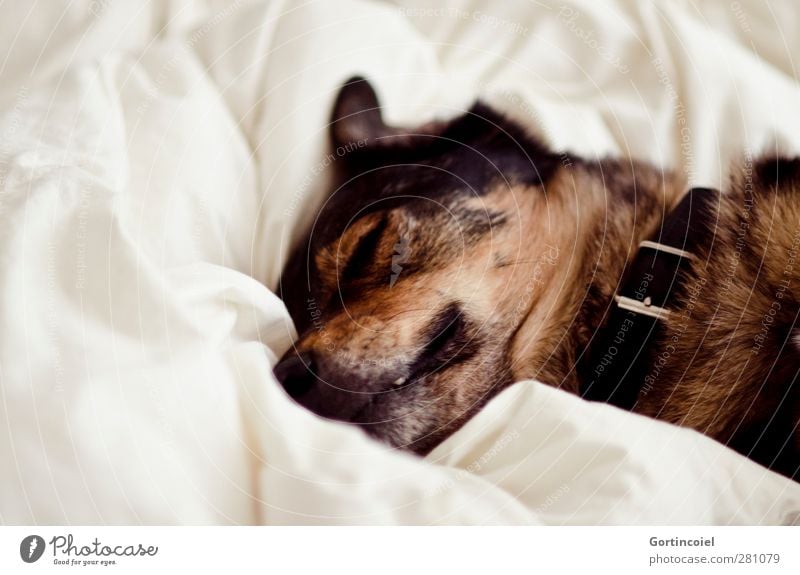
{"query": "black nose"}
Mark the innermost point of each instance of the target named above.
(296, 373)
(331, 393)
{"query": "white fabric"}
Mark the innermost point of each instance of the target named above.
(156, 160)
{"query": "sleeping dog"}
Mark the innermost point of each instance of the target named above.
(454, 259)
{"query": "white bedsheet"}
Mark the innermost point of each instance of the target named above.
(156, 161)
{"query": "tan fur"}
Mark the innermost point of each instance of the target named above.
(597, 235)
(721, 377)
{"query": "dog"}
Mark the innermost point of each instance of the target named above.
(456, 258)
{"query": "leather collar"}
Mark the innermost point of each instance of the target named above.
(621, 353)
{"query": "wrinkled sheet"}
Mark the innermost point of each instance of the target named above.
(158, 159)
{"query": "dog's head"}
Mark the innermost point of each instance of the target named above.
(418, 271)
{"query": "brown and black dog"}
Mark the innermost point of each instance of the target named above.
(452, 260)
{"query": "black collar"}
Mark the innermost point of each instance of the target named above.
(621, 353)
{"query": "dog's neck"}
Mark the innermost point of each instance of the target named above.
(599, 225)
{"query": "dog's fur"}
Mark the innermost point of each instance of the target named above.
(452, 260)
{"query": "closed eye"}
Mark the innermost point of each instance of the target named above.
(448, 342)
(363, 253)
(444, 329)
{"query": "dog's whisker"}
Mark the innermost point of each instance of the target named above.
(406, 311)
(517, 262)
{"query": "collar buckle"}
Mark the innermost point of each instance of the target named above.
(644, 307)
(667, 249)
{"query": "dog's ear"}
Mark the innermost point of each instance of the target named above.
(357, 120)
(356, 114)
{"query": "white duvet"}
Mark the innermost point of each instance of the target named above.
(158, 159)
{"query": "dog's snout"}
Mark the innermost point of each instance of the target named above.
(322, 386)
(296, 373)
